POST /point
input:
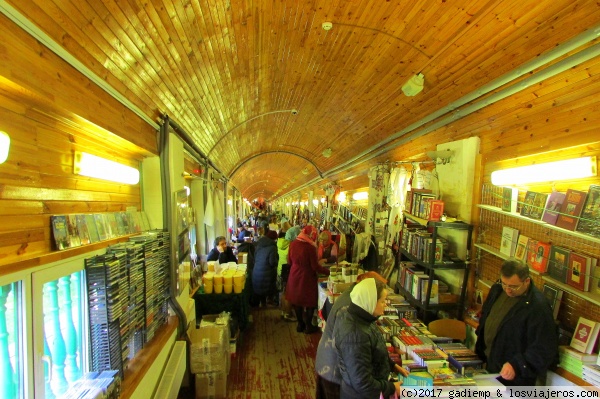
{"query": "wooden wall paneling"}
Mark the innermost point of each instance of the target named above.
(36, 68)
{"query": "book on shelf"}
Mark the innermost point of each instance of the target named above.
(585, 335)
(508, 243)
(84, 234)
(555, 201)
(59, 231)
(580, 270)
(571, 209)
(434, 295)
(566, 350)
(521, 250)
(595, 280)
(91, 226)
(539, 204)
(542, 253)
(510, 198)
(410, 198)
(531, 252)
(528, 203)
(589, 221)
(435, 210)
(112, 229)
(554, 296)
(558, 263)
(101, 226)
(73, 231)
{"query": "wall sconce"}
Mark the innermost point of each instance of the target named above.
(575, 168)
(414, 85)
(4, 146)
(361, 196)
(92, 166)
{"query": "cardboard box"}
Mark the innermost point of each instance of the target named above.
(338, 288)
(211, 385)
(209, 350)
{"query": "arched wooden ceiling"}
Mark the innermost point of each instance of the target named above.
(233, 73)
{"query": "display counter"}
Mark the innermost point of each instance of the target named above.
(236, 304)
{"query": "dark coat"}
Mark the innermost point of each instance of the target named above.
(264, 274)
(301, 289)
(327, 360)
(527, 337)
(364, 361)
(222, 257)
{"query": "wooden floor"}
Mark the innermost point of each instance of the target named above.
(272, 361)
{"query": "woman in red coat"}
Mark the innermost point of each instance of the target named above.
(301, 289)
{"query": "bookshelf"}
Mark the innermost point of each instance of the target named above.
(424, 257)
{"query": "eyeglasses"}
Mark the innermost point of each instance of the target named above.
(511, 287)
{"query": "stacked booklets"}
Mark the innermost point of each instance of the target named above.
(573, 360)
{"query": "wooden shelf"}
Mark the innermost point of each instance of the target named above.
(541, 223)
(588, 296)
(434, 266)
(141, 363)
(40, 259)
(496, 252)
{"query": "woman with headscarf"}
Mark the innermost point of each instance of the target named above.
(364, 362)
(328, 249)
(301, 288)
(327, 361)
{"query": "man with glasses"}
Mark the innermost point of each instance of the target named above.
(517, 336)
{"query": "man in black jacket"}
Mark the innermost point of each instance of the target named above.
(517, 336)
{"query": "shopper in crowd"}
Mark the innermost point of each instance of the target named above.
(264, 273)
(517, 336)
(221, 251)
(273, 225)
(364, 362)
(283, 268)
(301, 288)
(242, 233)
(327, 360)
(328, 249)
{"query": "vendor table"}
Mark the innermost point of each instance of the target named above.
(236, 304)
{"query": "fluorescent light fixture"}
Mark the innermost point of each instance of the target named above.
(576, 168)
(4, 146)
(92, 166)
(363, 195)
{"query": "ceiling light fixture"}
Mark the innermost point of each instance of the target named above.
(414, 85)
(327, 153)
(327, 26)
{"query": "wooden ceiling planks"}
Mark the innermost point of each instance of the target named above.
(219, 68)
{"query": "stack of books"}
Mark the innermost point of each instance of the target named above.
(573, 360)
(591, 374)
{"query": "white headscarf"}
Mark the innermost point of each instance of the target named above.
(364, 294)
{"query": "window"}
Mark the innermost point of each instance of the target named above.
(11, 353)
(60, 327)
